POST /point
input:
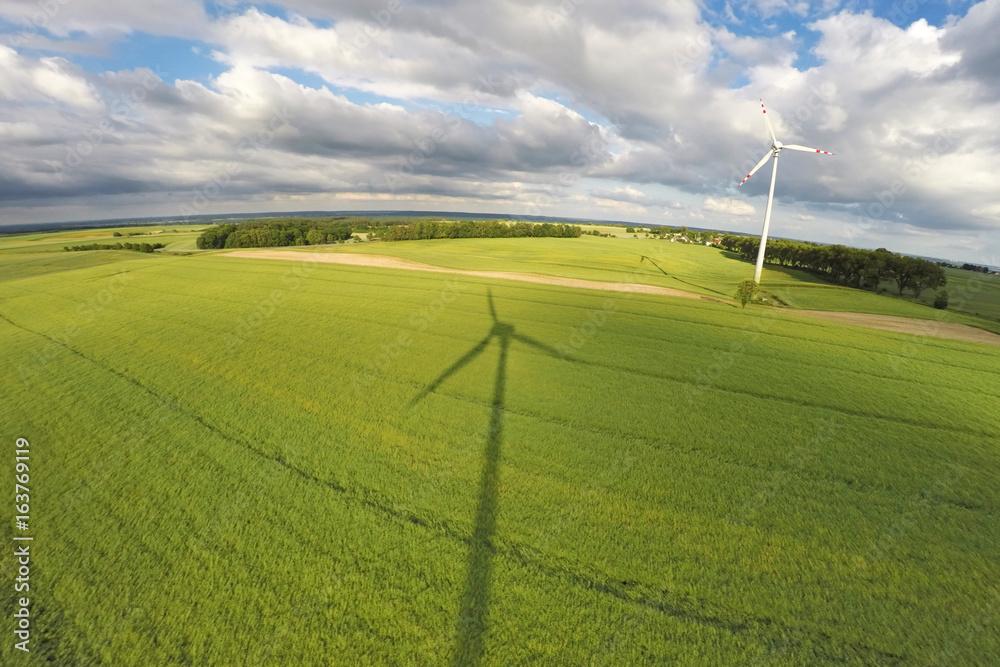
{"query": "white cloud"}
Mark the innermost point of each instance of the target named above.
(615, 207)
(25, 79)
(849, 39)
(730, 206)
(495, 104)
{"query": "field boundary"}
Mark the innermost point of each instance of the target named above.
(908, 325)
(387, 262)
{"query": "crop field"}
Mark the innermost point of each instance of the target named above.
(973, 293)
(245, 461)
(694, 268)
(175, 237)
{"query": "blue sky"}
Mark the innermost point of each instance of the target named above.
(636, 110)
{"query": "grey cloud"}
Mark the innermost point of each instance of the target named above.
(183, 18)
(658, 72)
(975, 36)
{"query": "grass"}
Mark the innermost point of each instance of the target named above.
(15, 266)
(370, 466)
(969, 292)
(176, 237)
(694, 268)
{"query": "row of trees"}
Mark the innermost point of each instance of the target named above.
(371, 224)
(139, 247)
(468, 229)
(316, 231)
(136, 233)
(276, 232)
(967, 267)
(855, 267)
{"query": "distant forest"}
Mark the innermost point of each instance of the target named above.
(855, 267)
(279, 232)
(476, 229)
(967, 267)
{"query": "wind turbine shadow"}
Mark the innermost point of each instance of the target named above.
(650, 260)
(708, 289)
(473, 617)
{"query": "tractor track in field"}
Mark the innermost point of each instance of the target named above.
(386, 262)
(908, 325)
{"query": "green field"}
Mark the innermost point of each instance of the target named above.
(970, 292)
(694, 268)
(175, 237)
(258, 462)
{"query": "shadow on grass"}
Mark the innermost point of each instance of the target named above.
(707, 289)
(473, 619)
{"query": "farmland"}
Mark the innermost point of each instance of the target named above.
(175, 237)
(264, 462)
(698, 269)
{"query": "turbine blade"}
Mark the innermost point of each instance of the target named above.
(454, 368)
(754, 170)
(795, 147)
(767, 121)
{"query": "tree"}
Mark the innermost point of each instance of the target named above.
(901, 269)
(338, 231)
(315, 237)
(941, 300)
(926, 275)
(629, 230)
(876, 269)
(746, 291)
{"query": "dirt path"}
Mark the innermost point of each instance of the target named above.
(907, 325)
(885, 322)
(385, 262)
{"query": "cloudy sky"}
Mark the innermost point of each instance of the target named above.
(637, 110)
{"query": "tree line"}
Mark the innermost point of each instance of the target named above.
(468, 229)
(139, 247)
(855, 267)
(275, 232)
(966, 267)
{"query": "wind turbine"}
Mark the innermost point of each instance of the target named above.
(776, 148)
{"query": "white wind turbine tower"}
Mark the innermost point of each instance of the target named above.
(776, 148)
